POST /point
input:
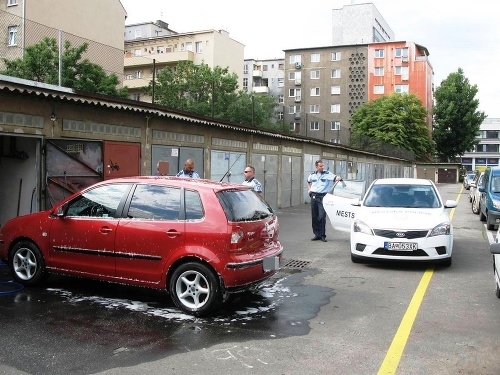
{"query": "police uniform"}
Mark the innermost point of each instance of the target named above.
(254, 183)
(185, 174)
(321, 183)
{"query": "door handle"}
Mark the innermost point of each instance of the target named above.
(173, 233)
(105, 230)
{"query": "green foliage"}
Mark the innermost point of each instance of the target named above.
(397, 120)
(212, 93)
(456, 118)
(41, 63)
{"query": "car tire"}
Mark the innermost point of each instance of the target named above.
(195, 289)
(475, 207)
(355, 259)
(482, 216)
(27, 264)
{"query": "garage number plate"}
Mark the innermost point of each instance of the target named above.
(401, 246)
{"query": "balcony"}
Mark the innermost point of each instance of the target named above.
(162, 58)
(261, 89)
(257, 73)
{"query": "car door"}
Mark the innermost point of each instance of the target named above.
(82, 237)
(338, 203)
(149, 233)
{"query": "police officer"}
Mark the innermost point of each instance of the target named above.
(318, 184)
(250, 180)
(188, 171)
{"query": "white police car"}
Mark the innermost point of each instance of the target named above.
(402, 219)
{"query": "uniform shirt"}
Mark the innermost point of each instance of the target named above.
(253, 182)
(184, 174)
(321, 182)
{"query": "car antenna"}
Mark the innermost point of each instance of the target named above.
(225, 174)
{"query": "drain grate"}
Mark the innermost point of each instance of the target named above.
(292, 263)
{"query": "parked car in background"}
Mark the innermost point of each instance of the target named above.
(398, 219)
(198, 239)
(475, 194)
(495, 251)
(468, 178)
(489, 201)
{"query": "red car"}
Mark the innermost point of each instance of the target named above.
(200, 240)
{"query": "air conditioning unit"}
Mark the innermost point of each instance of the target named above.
(298, 82)
(297, 115)
(404, 59)
(298, 65)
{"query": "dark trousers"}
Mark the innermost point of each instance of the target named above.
(318, 215)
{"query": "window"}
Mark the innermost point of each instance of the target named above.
(335, 73)
(12, 36)
(315, 91)
(138, 33)
(335, 108)
(129, 76)
(314, 125)
(379, 53)
(378, 89)
(379, 71)
(198, 47)
(335, 56)
(265, 68)
(293, 75)
(295, 126)
(314, 74)
(11, 2)
(295, 59)
(137, 52)
(335, 90)
(281, 66)
(401, 52)
(334, 140)
(315, 57)
(492, 134)
(281, 82)
(280, 115)
(245, 83)
(292, 93)
(194, 207)
(189, 46)
(403, 71)
(138, 73)
(155, 203)
(401, 88)
(334, 125)
(136, 96)
(99, 202)
(281, 99)
(314, 108)
(245, 69)
(293, 109)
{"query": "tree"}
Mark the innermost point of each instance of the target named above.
(456, 118)
(41, 63)
(212, 93)
(397, 120)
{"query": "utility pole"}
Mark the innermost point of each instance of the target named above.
(154, 81)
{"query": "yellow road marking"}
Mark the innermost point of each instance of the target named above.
(393, 356)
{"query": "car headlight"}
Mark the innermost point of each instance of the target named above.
(496, 203)
(441, 229)
(359, 226)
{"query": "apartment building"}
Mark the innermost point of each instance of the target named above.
(24, 23)
(487, 152)
(266, 77)
(359, 24)
(152, 46)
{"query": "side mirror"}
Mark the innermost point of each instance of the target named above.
(355, 202)
(450, 204)
(60, 212)
(495, 248)
(481, 189)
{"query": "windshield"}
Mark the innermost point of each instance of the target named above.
(415, 196)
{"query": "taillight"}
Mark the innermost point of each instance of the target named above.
(236, 238)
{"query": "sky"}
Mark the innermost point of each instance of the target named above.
(457, 34)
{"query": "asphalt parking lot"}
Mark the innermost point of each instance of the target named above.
(320, 314)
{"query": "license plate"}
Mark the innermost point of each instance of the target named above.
(401, 246)
(271, 263)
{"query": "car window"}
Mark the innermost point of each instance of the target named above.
(155, 202)
(243, 205)
(99, 202)
(194, 206)
(416, 196)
